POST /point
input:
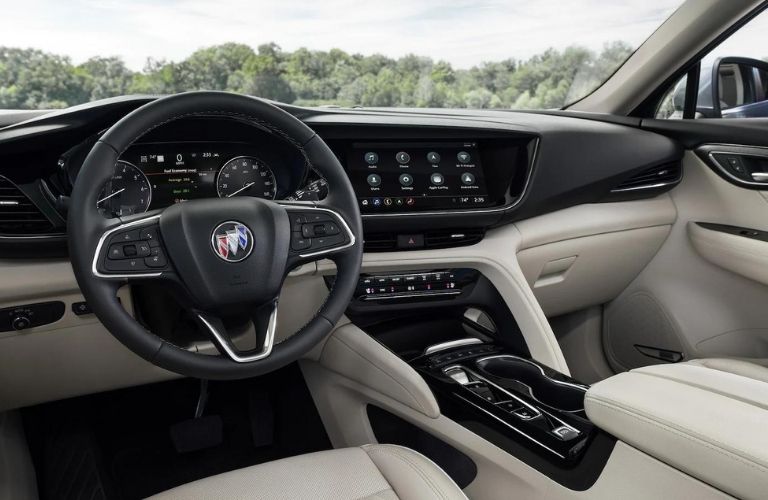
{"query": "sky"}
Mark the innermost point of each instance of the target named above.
(459, 31)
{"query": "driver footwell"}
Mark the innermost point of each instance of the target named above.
(119, 445)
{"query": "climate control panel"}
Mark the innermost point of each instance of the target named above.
(444, 283)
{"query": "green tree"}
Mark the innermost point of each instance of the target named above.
(34, 79)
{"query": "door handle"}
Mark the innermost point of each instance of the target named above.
(760, 176)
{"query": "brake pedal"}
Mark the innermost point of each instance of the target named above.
(199, 432)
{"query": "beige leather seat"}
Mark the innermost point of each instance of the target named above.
(382, 472)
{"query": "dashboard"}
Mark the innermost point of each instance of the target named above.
(434, 177)
(426, 172)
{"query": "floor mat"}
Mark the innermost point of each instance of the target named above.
(118, 445)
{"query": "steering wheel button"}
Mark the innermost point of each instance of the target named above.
(319, 217)
(307, 231)
(148, 233)
(130, 250)
(156, 261)
(143, 249)
(128, 236)
(126, 265)
(299, 242)
(116, 251)
(328, 241)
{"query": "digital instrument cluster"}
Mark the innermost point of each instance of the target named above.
(157, 175)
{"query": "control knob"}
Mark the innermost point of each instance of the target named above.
(21, 322)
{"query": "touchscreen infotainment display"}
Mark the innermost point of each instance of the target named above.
(399, 177)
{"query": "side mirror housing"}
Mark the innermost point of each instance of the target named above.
(739, 88)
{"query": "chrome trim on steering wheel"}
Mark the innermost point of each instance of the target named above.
(224, 344)
(100, 245)
(336, 214)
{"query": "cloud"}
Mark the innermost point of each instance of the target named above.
(460, 31)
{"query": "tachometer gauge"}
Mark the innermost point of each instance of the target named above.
(128, 192)
(246, 176)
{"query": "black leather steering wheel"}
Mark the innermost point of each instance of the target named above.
(224, 256)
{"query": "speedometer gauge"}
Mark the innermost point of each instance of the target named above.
(246, 176)
(128, 192)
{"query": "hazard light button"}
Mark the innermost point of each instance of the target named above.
(410, 241)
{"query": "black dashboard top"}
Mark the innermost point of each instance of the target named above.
(413, 170)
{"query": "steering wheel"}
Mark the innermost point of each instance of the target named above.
(223, 256)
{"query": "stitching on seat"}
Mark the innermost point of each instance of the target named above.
(747, 460)
(417, 468)
(376, 494)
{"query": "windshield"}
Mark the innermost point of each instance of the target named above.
(397, 53)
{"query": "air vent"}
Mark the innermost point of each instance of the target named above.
(380, 242)
(658, 177)
(443, 238)
(453, 238)
(18, 215)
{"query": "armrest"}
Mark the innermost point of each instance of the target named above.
(706, 418)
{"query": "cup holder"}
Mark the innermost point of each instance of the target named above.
(558, 394)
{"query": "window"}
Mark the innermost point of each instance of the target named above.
(733, 78)
(505, 54)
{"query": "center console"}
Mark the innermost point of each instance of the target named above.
(452, 327)
(542, 408)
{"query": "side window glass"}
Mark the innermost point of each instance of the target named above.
(733, 78)
(673, 103)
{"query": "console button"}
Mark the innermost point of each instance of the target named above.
(402, 157)
(374, 180)
(566, 433)
(80, 308)
(437, 179)
(463, 157)
(509, 406)
(481, 390)
(526, 413)
(410, 241)
(405, 180)
(433, 157)
(129, 250)
(371, 158)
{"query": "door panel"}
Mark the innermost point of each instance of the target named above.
(691, 301)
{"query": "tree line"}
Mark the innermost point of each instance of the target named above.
(33, 79)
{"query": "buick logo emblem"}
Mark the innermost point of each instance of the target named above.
(232, 241)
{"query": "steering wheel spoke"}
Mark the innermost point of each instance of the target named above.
(316, 233)
(132, 250)
(264, 320)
